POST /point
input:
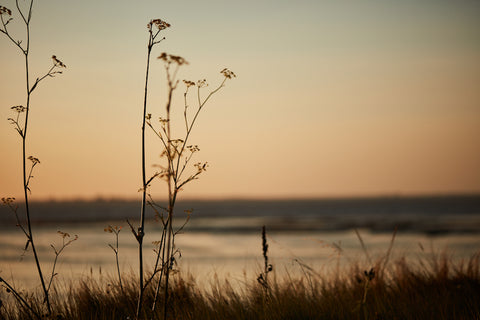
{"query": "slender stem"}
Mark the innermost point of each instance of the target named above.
(20, 298)
(161, 251)
(117, 231)
(24, 143)
(141, 232)
(200, 106)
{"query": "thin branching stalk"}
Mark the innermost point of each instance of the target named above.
(19, 297)
(66, 241)
(177, 162)
(116, 230)
(23, 129)
(140, 233)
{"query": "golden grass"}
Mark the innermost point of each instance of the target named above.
(441, 289)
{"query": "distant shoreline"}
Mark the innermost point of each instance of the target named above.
(432, 215)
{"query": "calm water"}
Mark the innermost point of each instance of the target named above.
(224, 237)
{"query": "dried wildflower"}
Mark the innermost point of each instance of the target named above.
(114, 229)
(63, 234)
(228, 74)
(201, 167)
(169, 58)
(34, 160)
(148, 116)
(163, 121)
(58, 63)
(160, 24)
(193, 148)
(189, 83)
(5, 10)
(202, 83)
(7, 201)
(19, 109)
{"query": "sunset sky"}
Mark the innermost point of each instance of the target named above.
(332, 98)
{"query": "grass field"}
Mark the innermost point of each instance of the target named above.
(422, 289)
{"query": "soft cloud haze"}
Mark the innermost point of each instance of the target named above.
(333, 98)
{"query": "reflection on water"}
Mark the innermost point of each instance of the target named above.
(226, 254)
(224, 237)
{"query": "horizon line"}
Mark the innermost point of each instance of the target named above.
(104, 198)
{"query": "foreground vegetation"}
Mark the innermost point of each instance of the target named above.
(439, 289)
(383, 290)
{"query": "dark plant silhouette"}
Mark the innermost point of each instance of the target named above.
(176, 171)
(116, 231)
(267, 267)
(154, 27)
(20, 123)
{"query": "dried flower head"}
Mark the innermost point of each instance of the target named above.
(228, 74)
(169, 58)
(34, 160)
(58, 63)
(160, 24)
(189, 83)
(5, 10)
(63, 234)
(202, 83)
(201, 167)
(163, 121)
(19, 109)
(7, 201)
(114, 229)
(193, 148)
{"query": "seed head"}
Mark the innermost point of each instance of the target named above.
(189, 83)
(19, 109)
(193, 148)
(58, 63)
(160, 24)
(201, 167)
(5, 10)
(63, 234)
(228, 74)
(34, 160)
(202, 83)
(170, 58)
(7, 201)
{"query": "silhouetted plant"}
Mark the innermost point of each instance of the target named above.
(178, 154)
(154, 27)
(20, 123)
(116, 231)
(267, 267)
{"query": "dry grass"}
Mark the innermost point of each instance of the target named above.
(440, 289)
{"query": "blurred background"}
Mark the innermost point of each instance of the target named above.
(344, 116)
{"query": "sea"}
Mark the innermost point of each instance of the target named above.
(222, 239)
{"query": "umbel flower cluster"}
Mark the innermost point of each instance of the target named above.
(5, 10)
(228, 74)
(58, 63)
(160, 24)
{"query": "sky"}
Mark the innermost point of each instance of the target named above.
(332, 98)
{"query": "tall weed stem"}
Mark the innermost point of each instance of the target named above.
(5, 16)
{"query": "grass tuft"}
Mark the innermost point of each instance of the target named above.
(441, 289)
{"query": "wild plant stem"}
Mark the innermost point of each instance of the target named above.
(20, 298)
(24, 142)
(118, 267)
(171, 201)
(141, 232)
(161, 252)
